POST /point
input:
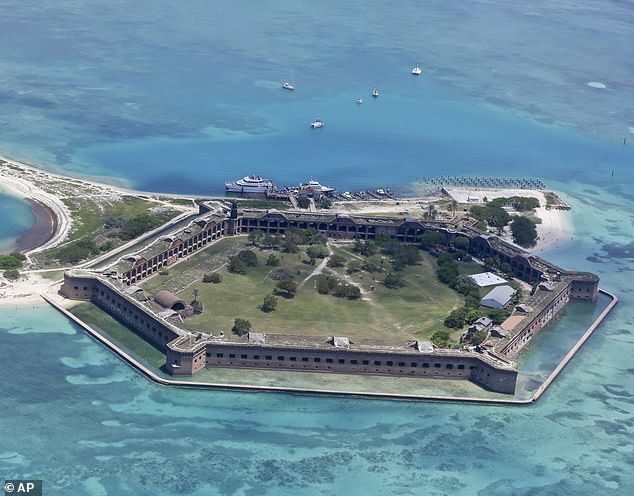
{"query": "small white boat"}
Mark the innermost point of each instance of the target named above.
(417, 71)
(375, 92)
(317, 123)
(290, 84)
(359, 100)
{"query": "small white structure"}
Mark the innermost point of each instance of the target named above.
(498, 297)
(257, 337)
(484, 279)
(424, 346)
(340, 342)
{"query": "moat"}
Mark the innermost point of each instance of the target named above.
(149, 292)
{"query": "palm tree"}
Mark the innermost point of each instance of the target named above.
(195, 293)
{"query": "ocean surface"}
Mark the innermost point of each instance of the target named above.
(174, 97)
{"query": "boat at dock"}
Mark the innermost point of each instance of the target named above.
(251, 184)
(318, 188)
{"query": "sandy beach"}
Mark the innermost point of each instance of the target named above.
(554, 228)
(53, 224)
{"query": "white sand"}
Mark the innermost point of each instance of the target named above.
(22, 188)
(555, 226)
(23, 181)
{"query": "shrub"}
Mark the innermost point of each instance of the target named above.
(241, 326)
(269, 304)
(11, 274)
(214, 277)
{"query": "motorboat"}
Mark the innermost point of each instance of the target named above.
(250, 184)
(359, 100)
(417, 71)
(290, 84)
(317, 187)
(375, 92)
(317, 123)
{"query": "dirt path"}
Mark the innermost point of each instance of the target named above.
(319, 269)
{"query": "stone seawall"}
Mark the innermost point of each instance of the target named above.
(187, 353)
(326, 392)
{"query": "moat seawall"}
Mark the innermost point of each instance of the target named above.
(154, 377)
(187, 352)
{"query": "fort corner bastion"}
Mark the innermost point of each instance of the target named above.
(189, 352)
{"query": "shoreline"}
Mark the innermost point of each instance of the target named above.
(53, 220)
(42, 230)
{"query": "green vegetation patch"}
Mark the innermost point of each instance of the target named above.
(413, 310)
(100, 226)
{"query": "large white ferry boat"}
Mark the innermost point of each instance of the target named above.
(250, 184)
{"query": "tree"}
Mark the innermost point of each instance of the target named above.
(430, 239)
(407, 255)
(214, 277)
(336, 261)
(11, 274)
(354, 265)
(441, 338)
(195, 293)
(287, 287)
(249, 258)
(241, 326)
(303, 202)
(394, 280)
(365, 248)
(345, 290)
(197, 306)
(524, 232)
(255, 237)
(456, 318)
(478, 338)
(272, 261)
(289, 245)
(237, 265)
(269, 304)
(316, 251)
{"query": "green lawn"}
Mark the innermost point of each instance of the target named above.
(412, 312)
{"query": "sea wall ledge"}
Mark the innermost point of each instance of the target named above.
(151, 375)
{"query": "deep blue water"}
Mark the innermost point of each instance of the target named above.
(165, 97)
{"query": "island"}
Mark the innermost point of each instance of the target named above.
(328, 288)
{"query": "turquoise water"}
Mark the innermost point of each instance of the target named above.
(17, 218)
(160, 97)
